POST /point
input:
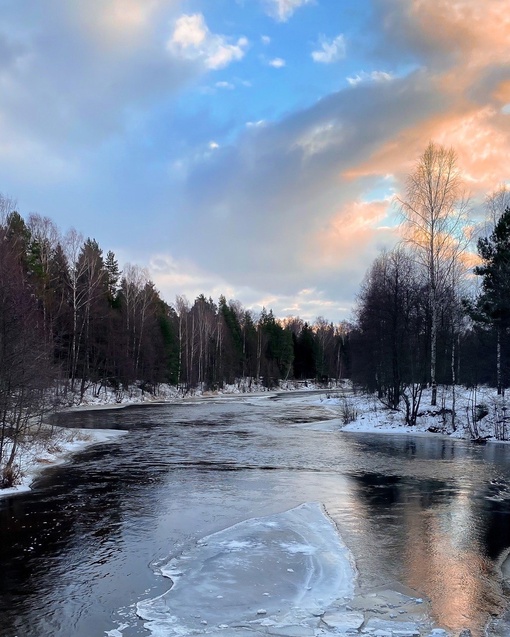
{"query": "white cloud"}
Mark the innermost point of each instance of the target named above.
(330, 51)
(192, 40)
(277, 63)
(374, 76)
(213, 145)
(227, 85)
(265, 39)
(257, 124)
(282, 10)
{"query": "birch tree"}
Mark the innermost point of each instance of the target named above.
(434, 210)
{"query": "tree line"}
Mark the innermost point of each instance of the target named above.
(426, 314)
(72, 320)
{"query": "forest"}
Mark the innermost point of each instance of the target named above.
(434, 310)
(71, 320)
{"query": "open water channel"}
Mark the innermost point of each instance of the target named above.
(86, 546)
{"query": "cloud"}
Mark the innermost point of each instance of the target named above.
(277, 63)
(465, 65)
(265, 39)
(270, 200)
(226, 85)
(330, 51)
(374, 76)
(296, 202)
(192, 40)
(72, 75)
(259, 123)
(282, 10)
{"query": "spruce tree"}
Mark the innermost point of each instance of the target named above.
(492, 307)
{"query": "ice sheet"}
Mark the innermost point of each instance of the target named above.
(273, 571)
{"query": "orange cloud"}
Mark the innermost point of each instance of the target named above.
(478, 31)
(355, 229)
(472, 121)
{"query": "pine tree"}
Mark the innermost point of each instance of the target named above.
(492, 306)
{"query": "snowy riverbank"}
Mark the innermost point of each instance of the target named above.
(480, 414)
(51, 450)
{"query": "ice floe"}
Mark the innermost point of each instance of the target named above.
(272, 572)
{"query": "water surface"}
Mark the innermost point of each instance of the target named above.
(84, 547)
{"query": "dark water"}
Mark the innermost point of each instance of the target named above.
(80, 550)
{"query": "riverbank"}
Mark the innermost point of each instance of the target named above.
(54, 448)
(480, 415)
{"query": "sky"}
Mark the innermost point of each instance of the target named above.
(251, 148)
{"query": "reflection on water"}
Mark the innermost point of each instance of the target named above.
(448, 541)
(427, 513)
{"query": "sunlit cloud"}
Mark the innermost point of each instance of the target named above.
(357, 228)
(114, 23)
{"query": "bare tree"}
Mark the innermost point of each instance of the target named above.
(495, 205)
(434, 210)
(137, 292)
(7, 207)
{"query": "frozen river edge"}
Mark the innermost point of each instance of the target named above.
(288, 575)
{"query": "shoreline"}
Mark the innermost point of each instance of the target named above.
(368, 417)
(35, 459)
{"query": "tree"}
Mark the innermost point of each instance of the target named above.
(492, 306)
(434, 213)
(305, 354)
(392, 332)
(25, 371)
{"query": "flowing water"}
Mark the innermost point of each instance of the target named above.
(85, 546)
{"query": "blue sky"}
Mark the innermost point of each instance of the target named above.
(246, 147)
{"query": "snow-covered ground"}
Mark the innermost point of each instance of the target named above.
(52, 450)
(479, 414)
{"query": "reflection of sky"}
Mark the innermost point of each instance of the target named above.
(445, 560)
(425, 523)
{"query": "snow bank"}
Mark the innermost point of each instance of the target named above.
(35, 457)
(480, 413)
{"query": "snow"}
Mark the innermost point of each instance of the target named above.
(35, 457)
(364, 413)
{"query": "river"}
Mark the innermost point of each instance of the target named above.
(86, 545)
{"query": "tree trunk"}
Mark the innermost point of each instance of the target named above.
(499, 382)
